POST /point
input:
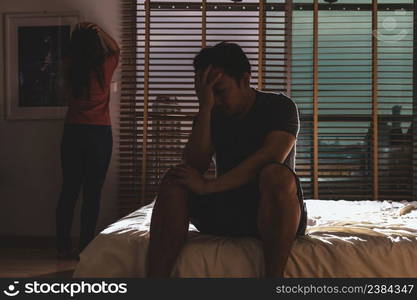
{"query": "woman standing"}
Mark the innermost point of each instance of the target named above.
(87, 140)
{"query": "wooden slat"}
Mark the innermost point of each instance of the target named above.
(272, 6)
(204, 24)
(288, 44)
(261, 43)
(146, 98)
(375, 154)
(315, 180)
(414, 122)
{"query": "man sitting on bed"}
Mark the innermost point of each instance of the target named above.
(252, 135)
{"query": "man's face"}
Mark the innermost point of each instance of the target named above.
(228, 94)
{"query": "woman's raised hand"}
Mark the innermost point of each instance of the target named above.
(88, 25)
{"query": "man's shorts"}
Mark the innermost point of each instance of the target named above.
(235, 212)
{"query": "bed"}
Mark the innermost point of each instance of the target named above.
(344, 239)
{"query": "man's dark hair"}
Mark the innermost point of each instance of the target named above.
(228, 56)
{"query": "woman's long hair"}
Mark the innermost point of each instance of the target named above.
(86, 57)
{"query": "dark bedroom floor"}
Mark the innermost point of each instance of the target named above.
(34, 262)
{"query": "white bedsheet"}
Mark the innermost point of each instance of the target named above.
(344, 239)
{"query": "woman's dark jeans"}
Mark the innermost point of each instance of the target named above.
(85, 157)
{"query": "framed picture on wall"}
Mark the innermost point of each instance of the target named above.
(35, 45)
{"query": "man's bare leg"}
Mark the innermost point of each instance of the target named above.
(278, 217)
(169, 228)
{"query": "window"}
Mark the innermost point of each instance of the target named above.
(359, 71)
(349, 68)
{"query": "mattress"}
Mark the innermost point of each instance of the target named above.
(343, 239)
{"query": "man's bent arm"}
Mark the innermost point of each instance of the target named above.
(198, 150)
(276, 148)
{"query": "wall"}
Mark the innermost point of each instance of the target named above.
(30, 174)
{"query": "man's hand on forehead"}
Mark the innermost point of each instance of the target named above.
(204, 83)
(209, 74)
(214, 72)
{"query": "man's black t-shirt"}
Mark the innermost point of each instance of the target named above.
(235, 139)
(235, 212)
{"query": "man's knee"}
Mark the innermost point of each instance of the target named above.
(169, 173)
(169, 186)
(274, 179)
(275, 176)
(168, 176)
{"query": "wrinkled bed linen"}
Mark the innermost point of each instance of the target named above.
(343, 239)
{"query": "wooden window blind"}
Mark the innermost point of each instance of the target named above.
(344, 64)
(353, 75)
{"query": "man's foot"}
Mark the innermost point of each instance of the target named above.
(68, 254)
